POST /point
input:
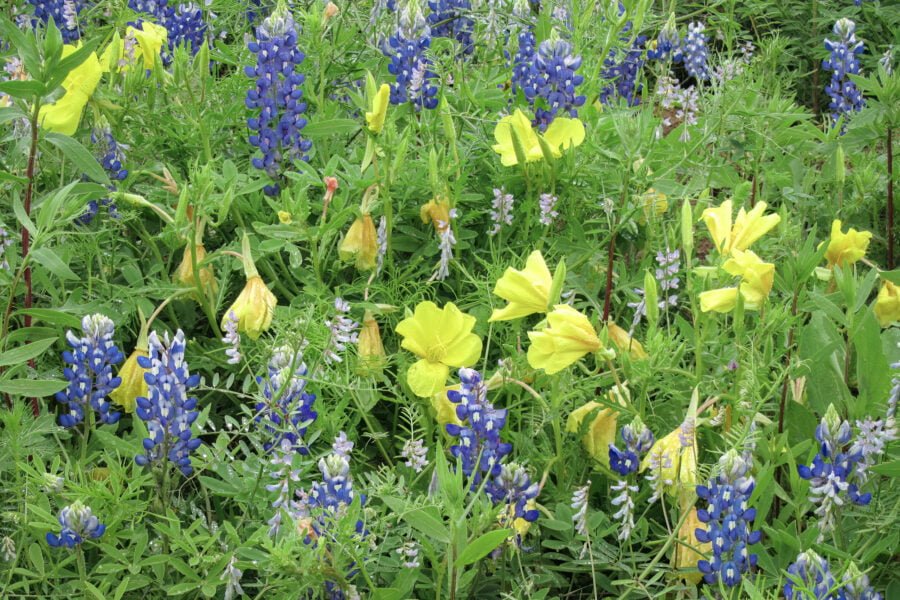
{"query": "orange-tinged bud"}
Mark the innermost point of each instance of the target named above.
(331, 184)
(331, 11)
(624, 342)
(361, 244)
(184, 274)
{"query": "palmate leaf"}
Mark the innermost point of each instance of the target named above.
(22, 435)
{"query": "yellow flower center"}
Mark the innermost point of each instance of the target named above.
(436, 353)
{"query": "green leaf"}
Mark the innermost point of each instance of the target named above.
(80, 157)
(872, 369)
(36, 556)
(482, 546)
(183, 588)
(425, 519)
(9, 178)
(48, 259)
(888, 469)
(32, 388)
(23, 44)
(22, 354)
(54, 317)
(327, 127)
(26, 90)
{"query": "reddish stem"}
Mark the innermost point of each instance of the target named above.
(609, 277)
(26, 237)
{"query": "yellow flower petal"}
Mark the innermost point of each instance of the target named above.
(750, 226)
(150, 39)
(846, 248)
(375, 117)
(564, 133)
(444, 409)
(427, 378)
(718, 221)
(568, 337)
(689, 550)
(254, 308)
(624, 342)
(887, 305)
(360, 244)
(133, 385)
(721, 300)
(64, 115)
(527, 291)
(503, 133)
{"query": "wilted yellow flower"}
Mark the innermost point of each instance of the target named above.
(369, 347)
(654, 204)
(436, 212)
(568, 336)
(748, 227)
(846, 248)
(150, 39)
(64, 115)
(133, 385)
(527, 291)
(184, 274)
(757, 278)
(361, 243)
(441, 338)
(602, 430)
(375, 117)
(624, 342)
(673, 459)
(887, 305)
(688, 549)
(562, 133)
(331, 11)
(253, 308)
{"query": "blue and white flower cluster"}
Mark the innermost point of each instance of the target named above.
(167, 411)
(846, 98)
(409, 63)
(449, 19)
(278, 96)
(622, 74)
(329, 498)
(810, 578)
(89, 372)
(695, 52)
(481, 452)
(287, 410)
(112, 158)
(550, 87)
(184, 23)
(78, 524)
(638, 441)
(728, 520)
(64, 14)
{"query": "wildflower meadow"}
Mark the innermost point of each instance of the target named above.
(452, 299)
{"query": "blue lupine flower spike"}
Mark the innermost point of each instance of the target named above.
(78, 524)
(846, 98)
(410, 65)
(287, 409)
(89, 372)
(168, 411)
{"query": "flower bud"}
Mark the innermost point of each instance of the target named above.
(624, 342)
(370, 349)
(602, 430)
(436, 212)
(331, 11)
(331, 184)
(253, 308)
(688, 549)
(361, 244)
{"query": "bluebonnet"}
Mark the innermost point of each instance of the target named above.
(168, 412)
(284, 475)
(695, 52)
(522, 61)
(623, 74)
(89, 372)
(668, 44)
(479, 447)
(78, 524)
(63, 12)
(232, 339)
(846, 98)
(334, 493)
(728, 520)
(812, 574)
(449, 19)
(278, 96)
(551, 86)
(112, 156)
(513, 487)
(832, 474)
(409, 63)
(857, 586)
(638, 440)
(184, 23)
(287, 410)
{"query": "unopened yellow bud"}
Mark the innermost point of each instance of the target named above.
(253, 308)
(361, 244)
(369, 348)
(133, 385)
(184, 274)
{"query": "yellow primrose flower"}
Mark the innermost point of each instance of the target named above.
(184, 274)
(64, 115)
(846, 248)
(748, 227)
(369, 347)
(375, 117)
(602, 430)
(255, 305)
(562, 134)
(688, 549)
(441, 338)
(285, 218)
(757, 278)
(150, 39)
(133, 385)
(437, 212)
(673, 459)
(887, 305)
(624, 342)
(361, 243)
(568, 336)
(527, 291)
